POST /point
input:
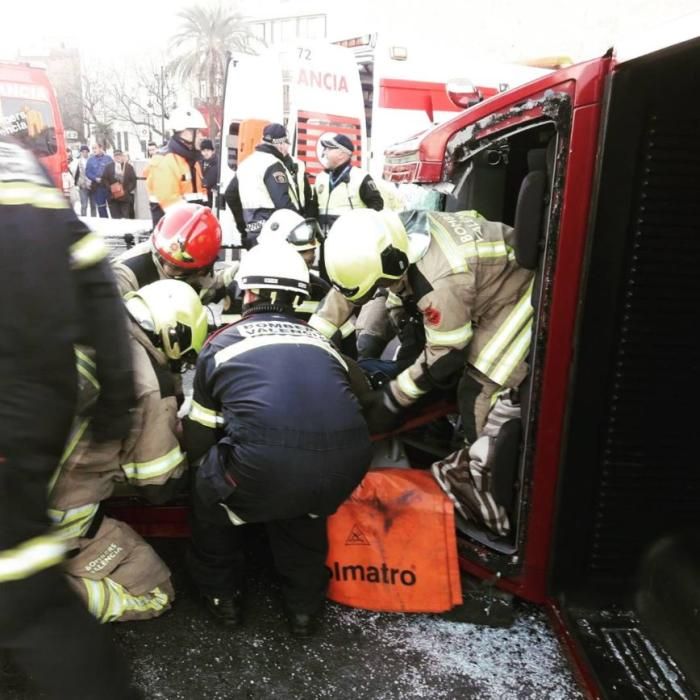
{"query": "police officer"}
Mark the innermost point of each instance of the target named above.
(168, 326)
(57, 290)
(343, 186)
(184, 245)
(461, 274)
(281, 438)
(174, 173)
(264, 182)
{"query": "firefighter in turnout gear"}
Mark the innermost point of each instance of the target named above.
(175, 173)
(184, 246)
(342, 186)
(280, 440)
(58, 290)
(474, 298)
(117, 574)
(264, 182)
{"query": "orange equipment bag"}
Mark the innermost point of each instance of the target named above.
(392, 545)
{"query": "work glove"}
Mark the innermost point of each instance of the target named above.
(111, 421)
(381, 414)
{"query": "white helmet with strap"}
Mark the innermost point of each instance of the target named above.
(274, 265)
(186, 117)
(287, 225)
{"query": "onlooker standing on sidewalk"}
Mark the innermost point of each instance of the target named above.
(120, 178)
(96, 164)
(210, 169)
(83, 182)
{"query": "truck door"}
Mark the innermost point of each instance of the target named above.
(626, 557)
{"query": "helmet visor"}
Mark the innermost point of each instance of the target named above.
(305, 233)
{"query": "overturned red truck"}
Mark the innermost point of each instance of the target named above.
(597, 166)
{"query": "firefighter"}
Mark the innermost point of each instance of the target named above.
(174, 173)
(168, 326)
(343, 186)
(281, 440)
(264, 182)
(57, 290)
(184, 246)
(461, 274)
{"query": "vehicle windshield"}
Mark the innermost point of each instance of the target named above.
(26, 115)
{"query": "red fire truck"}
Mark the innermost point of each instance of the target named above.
(597, 166)
(29, 112)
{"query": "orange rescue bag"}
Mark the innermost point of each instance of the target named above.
(392, 545)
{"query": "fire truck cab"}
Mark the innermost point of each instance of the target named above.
(597, 166)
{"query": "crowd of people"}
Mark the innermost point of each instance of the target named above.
(101, 405)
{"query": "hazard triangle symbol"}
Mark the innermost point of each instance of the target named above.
(356, 536)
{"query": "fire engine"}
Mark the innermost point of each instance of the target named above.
(29, 111)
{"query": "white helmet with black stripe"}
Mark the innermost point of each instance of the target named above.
(274, 266)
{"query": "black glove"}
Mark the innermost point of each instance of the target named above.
(379, 414)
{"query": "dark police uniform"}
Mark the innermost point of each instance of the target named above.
(57, 290)
(282, 438)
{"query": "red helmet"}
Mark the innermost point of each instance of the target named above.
(188, 236)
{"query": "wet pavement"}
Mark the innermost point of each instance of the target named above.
(185, 655)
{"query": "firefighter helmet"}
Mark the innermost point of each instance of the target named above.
(188, 237)
(287, 225)
(365, 247)
(171, 311)
(186, 117)
(275, 266)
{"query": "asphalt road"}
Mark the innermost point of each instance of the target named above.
(185, 655)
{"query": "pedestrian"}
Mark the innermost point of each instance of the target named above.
(57, 291)
(210, 169)
(84, 183)
(174, 173)
(263, 183)
(94, 169)
(280, 440)
(184, 245)
(167, 327)
(119, 177)
(151, 148)
(343, 186)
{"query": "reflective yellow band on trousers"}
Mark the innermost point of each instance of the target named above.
(108, 600)
(30, 557)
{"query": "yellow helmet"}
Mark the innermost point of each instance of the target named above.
(363, 248)
(172, 311)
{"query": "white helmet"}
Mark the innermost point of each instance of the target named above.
(287, 225)
(186, 117)
(172, 311)
(275, 266)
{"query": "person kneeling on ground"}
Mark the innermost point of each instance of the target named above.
(280, 439)
(116, 573)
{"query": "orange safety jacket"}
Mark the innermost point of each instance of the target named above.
(171, 179)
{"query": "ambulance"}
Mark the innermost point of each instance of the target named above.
(29, 112)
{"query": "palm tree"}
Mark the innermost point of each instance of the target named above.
(206, 34)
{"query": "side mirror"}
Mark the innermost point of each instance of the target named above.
(463, 93)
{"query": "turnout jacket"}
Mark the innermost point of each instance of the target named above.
(474, 299)
(345, 188)
(274, 412)
(48, 254)
(137, 267)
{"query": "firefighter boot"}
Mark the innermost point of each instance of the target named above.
(226, 609)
